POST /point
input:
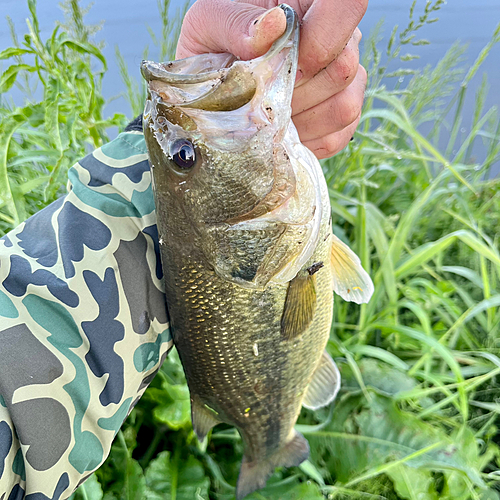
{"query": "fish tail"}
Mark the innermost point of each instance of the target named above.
(253, 475)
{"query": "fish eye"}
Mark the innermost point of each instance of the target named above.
(183, 153)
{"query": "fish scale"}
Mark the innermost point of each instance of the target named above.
(248, 254)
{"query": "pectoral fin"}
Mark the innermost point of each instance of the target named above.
(350, 280)
(300, 305)
(203, 418)
(324, 385)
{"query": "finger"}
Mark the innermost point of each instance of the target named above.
(330, 145)
(266, 4)
(334, 114)
(242, 29)
(326, 29)
(337, 76)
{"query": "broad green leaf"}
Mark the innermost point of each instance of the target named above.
(134, 481)
(176, 411)
(288, 490)
(9, 76)
(311, 471)
(90, 490)
(176, 415)
(413, 484)
(377, 233)
(423, 254)
(365, 437)
(378, 375)
(493, 407)
(489, 494)
(455, 487)
(13, 51)
(420, 313)
(28, 157)
(382, 354)
(111, 496)
(168, 477)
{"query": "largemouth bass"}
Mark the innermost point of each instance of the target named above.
(248, 254)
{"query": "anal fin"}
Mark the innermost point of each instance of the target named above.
(350, 280)
(253, 475)
(300, 304)
(203, 418)
(324, 385)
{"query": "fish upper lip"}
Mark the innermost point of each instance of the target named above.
(151, 71)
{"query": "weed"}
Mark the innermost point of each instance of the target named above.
(418, 409)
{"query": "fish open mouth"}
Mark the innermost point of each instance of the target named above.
(221, 83)
(216, 82)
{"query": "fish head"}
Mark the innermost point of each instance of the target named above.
(217, 130)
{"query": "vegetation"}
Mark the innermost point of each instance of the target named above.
(417, 415)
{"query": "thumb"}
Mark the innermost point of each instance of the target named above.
(242, 29)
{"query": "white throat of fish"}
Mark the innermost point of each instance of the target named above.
(311, 214)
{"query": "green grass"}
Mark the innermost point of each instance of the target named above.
(417, 415)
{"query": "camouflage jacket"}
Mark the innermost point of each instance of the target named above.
(83, 322)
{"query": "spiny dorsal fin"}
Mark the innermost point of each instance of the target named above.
(350, 280)
(253, 475)
(300, 305)
(203, 418)
(324, 385)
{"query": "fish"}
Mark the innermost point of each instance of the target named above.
(249, 257)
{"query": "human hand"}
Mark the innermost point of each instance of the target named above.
(329, 91)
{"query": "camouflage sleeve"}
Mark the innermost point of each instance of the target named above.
(83, 323)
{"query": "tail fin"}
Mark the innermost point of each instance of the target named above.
(253, 475)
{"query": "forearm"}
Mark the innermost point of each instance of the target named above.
(83, 322)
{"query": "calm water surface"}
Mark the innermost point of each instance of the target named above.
(126, 21)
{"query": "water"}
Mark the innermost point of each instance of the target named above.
(126, 24)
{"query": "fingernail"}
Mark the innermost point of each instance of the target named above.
(255, 24)
(298, 76)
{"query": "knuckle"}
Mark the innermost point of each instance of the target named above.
(321, 154)
(349, 112)
(347, 64)
(332, 76)
(329, 145)
(321, 54)
(235, 22)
